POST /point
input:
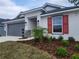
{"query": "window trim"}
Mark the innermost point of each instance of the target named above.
(57, 33)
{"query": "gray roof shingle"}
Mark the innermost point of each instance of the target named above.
(62, 9)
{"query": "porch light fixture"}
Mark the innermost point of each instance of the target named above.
(37, 20)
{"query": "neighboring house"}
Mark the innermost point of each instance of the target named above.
(2, 32)
(59, 20)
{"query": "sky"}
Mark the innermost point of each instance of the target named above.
(11, 8)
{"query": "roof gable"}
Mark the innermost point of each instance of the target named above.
(53, 5)
(63, 9)
(49, 8)
(46, 5)
(44, 9)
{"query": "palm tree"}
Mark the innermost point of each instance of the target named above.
(75, 2)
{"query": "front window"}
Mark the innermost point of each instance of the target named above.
(57, 24)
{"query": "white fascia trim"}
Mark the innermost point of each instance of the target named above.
(60, 12)
(12, 21)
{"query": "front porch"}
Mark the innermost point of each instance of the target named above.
(31, 23)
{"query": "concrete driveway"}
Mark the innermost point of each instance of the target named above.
(8, 38)
(13, 38)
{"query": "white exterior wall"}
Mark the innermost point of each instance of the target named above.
(43, 22)
(73, 25)
(28, 25)
(32, 14)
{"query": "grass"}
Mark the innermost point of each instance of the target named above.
(15, 50)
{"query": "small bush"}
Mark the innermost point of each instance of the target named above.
(50, 39)
(45, 38)
(75, 56)
(71, 39)
(65, 43)
(61, 52)
(77, 47)
(60, 38)
(38, 33)
(53, 38)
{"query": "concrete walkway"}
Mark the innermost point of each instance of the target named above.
(13, 38)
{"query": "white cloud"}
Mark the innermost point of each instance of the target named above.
(8, 9)
(60, 2)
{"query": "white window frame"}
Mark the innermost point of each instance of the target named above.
(57, 33)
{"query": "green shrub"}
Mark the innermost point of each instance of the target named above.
(45, 38)
(65, 43)
(60, 38)
(53, 38)
(61, 52)
(50, 39)
(38, 33)
(70, 39)
(77, 47)
(75, 56)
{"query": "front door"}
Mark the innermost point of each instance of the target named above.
(32, 23)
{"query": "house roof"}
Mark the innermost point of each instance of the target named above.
(62, 9)
(58, 8)
(53, 5)
(41, 8)
(14, 21)
(59, 11)
(3, 20)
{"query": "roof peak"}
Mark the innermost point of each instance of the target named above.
(44, 5)
(56, 5)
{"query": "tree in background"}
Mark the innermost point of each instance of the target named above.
(75, 2)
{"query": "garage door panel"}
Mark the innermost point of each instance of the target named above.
(15, 29)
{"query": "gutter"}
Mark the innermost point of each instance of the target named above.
(12, 21)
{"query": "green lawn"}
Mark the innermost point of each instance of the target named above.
(15, 50)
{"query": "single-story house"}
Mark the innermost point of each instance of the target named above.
(59, 20)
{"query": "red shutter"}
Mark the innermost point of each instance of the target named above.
(49, 24)
(65, 24)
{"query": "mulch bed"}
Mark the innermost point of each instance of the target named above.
(51, 47)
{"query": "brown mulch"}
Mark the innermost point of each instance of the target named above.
(51, 47)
